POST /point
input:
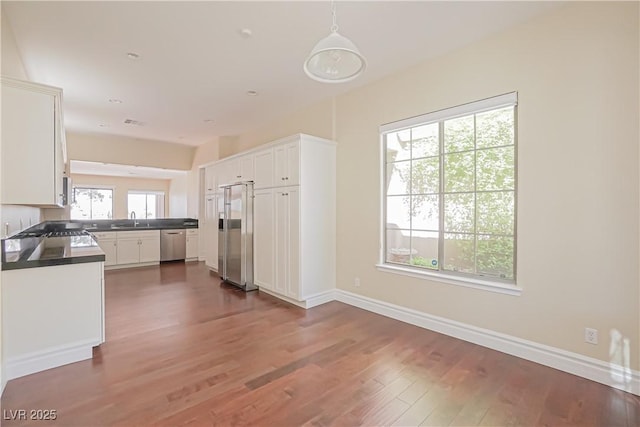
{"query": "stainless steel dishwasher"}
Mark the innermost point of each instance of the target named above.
(173, 245)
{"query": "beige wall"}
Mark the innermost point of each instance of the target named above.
(314, 120)
(576, 72)
(205, 153)
(12, 216)
(122, 186)
(129, 151)
(12, 65)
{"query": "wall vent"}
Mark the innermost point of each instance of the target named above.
(133, 122)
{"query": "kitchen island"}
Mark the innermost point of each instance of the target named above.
(52, 299)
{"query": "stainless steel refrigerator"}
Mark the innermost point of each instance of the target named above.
(235, 235)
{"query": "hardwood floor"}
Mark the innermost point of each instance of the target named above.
(182, 349)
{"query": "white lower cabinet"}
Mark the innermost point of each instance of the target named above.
(264, 238)
(150, 246)
(211, 231)
(51, 316)
(109, 245)
(192, 244)
(287, 241)
(128, 250)
(136, 247)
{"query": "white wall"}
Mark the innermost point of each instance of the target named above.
(178, 197)
(129, 151)
(12, 66)
(205, 153)
(576, 72)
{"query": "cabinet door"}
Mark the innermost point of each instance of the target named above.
(210, 230)
(280, 165)
(246, 168)
(229, 172)
(263, 238)
(128, 251)
(28, 147)
(293, 242)
(293, 164)
(150, 249)
(263, 169)
(210, 180)
(110, 249)
(281, 244)
(59, 153)
(192, 244)
(287, 164)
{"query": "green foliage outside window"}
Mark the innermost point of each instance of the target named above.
(464, 170)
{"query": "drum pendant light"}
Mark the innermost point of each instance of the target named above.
(334, 59)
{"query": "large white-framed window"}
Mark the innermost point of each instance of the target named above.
(145, 204)
(92, 202)
(449, 193)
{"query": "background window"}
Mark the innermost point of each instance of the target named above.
(146, 205)
(92, 203)
(450, 191)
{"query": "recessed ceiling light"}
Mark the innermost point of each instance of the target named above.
(133, 55)
(252, 93)
(208, 120)
(102, 125)
(115, 101)
(245, 33)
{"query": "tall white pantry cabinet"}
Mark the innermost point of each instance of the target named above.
(294, 218)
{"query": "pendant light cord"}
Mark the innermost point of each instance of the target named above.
(334, 27)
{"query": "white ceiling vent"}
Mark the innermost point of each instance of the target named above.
(133, 122)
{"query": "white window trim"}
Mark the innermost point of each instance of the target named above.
(468, 282)
(160, 201)
(495, 102)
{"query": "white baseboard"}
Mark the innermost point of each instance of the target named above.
(50, 358)
(3, 382)
(139, 264)
(311, 301)
(320, 298)
(593, 369)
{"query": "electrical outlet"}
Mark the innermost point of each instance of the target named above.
(591, 335)
(356, 282)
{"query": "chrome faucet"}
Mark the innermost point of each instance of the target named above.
(133, 217)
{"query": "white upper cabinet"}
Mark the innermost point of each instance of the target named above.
(264, 171)
(287, 164)
(235, 170)
(32, 144)
(246, 172)
(210, 179)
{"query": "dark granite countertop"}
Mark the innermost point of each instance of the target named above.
(132, 225)
(43, 251)
(45, 244)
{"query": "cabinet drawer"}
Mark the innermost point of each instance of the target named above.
(105, 235)
(192, 231)
(138, 234)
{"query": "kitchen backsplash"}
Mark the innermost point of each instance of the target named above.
(16, 218)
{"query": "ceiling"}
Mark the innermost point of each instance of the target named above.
(195, 66)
